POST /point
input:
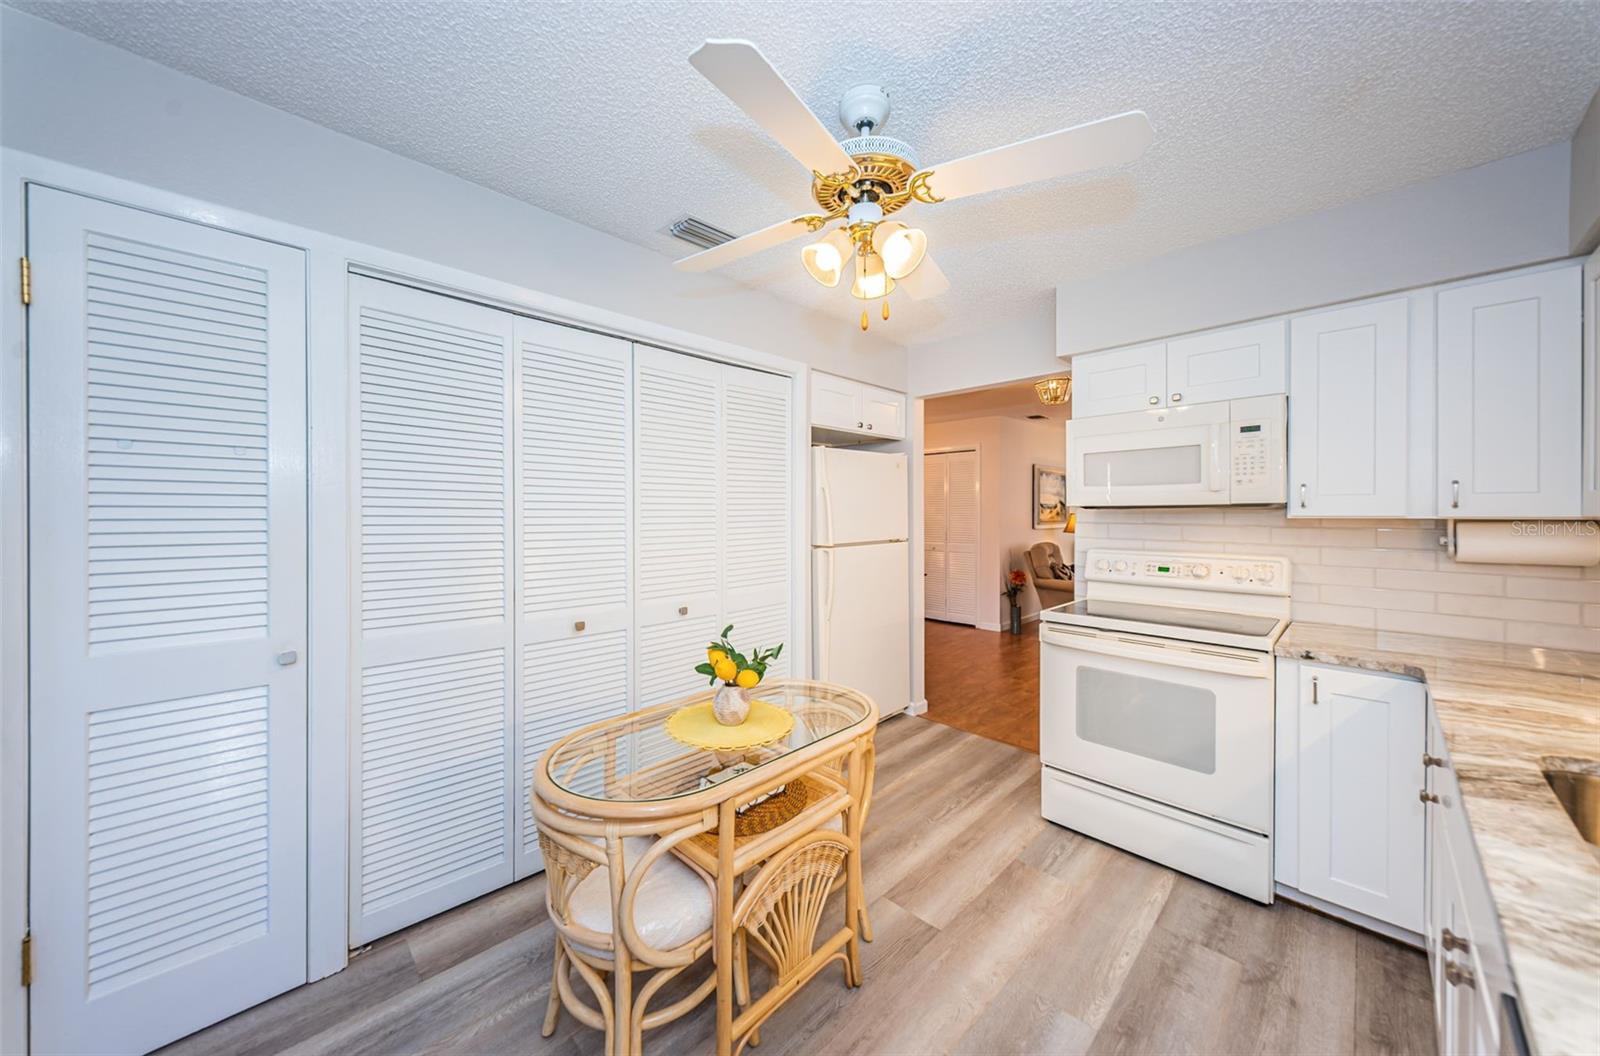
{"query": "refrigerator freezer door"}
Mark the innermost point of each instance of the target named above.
(860, 497)
(863, 626)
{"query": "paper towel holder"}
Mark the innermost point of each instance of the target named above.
(1449, 539)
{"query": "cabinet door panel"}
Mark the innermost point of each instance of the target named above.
(1347, 412)
(1226, 364)
(884, 412)
(1124, 379)
(836, 403)
(1361, 821)
(1510, 404)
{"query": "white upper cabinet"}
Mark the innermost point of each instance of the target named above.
(1510, 396)
(853, 407)
(1226, 364)
(1123, 379)
(1348, 411)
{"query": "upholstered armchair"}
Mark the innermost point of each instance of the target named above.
(1044, 565)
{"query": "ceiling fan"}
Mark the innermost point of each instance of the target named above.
(869, 176)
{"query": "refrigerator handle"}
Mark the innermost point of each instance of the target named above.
(825, 631)
(826, 498)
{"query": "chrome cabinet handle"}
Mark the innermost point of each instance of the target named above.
(1431, 760)
(1455, 494)
(683, 610)
(1177, 397)
(1154, 400)
(1315, 699)
(1451, 941)
(1427, 797)
(869, 427)
(1302, 496)
(287, 658)
(1456, 975)
(860, 424)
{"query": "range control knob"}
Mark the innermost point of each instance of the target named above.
(1121, 566)
(1102, 564)
(1266, 573)
(1200, 571)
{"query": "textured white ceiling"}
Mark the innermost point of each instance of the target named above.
(591, 110)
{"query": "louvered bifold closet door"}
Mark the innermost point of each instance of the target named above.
(961, 538)
(574, 392)
(167, 556)
(756, 521)
(432, 814)
(935, 508)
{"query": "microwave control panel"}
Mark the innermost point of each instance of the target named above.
(1258, 457)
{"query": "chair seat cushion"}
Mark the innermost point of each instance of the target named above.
(673, 906)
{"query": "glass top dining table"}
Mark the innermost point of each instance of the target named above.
(633, 758)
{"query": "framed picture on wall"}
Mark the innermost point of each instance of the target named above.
(1049, 496)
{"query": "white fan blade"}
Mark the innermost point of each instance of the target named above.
(739, 70)
(927, 281)
(744, 245)
(1109, 141)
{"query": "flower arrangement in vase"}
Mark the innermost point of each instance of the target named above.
(1015, 581)
(738, 674)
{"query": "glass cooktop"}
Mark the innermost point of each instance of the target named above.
(1165, 617)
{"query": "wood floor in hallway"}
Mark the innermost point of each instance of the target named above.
(996, 932)
(984, 682)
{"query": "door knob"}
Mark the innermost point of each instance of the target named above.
(287, 658)
(579, 625)
(683, 610)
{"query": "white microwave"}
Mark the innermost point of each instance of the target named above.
(1231, 452)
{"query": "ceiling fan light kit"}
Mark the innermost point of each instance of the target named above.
(870, 176)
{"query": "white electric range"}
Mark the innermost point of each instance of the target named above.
(1156, 709)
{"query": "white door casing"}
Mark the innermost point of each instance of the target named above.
(935, 503)
(574, 417)
(167, 624)
(432, 779)
(951, 514)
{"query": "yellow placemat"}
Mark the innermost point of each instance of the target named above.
(698, 727)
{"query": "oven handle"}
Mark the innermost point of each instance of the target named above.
(1194, 657)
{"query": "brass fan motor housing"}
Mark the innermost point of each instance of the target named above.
(883, 178)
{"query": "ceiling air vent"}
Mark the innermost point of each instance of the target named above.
(1038, 417)
(697, 232)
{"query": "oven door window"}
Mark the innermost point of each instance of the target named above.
(1170, 722)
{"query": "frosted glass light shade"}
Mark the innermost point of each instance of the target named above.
(872, 281)
(902, 248)
(825, 260)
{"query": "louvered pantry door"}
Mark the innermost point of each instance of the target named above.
(756, 520)
(678, 490)
(167, 558)
(935, 507)
(574, 415)
(432, 806)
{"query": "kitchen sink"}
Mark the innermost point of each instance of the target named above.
(1576, 783)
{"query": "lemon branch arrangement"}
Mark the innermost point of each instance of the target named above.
(738, 674)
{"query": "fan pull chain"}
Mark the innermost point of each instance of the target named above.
(863, 318)
(886, 309)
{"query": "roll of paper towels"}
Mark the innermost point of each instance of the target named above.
(1525, 542)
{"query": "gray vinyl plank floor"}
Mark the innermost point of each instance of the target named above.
(995, 932)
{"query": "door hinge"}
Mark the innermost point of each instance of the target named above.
(27, 959)
(27, 282)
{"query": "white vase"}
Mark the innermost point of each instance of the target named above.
(731, 705)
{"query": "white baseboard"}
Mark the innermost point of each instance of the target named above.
(1350, 916)
(995, 627)
(917, 707)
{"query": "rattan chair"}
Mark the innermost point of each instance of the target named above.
(777, 917)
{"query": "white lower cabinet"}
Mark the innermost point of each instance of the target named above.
(1358, 822)
(1466, 954)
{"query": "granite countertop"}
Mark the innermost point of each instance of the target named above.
(1503, 709)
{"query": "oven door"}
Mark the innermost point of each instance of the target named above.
(1171, 457)
(1183, 723)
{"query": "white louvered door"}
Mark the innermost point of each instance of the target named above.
(935, 518)
(574, 400)
(432, 738)
(167, 471)
(678, 490)
(756, 521)
(961, 539)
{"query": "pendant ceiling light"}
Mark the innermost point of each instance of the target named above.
(1054, 391)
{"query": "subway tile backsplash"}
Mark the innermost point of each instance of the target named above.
(1388, 575)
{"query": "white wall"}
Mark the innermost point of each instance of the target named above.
(1388, 575)
(1584, 216)
(78, 100)
(1008, 449)
(1509, 212)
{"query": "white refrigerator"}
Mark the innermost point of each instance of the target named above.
(860, 574)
